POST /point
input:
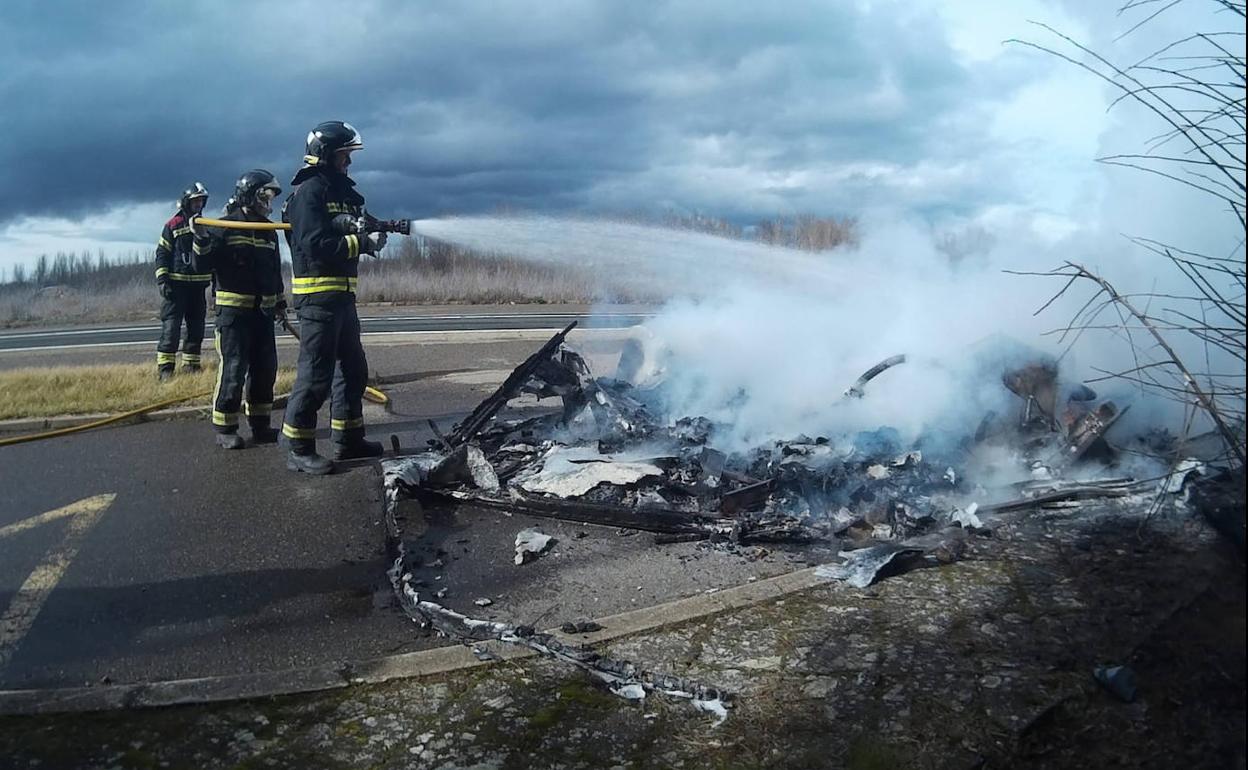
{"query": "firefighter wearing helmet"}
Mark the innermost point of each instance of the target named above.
(246, 266)
(325, 255)
(181, 287)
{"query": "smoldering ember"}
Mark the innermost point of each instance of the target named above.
(862, 507)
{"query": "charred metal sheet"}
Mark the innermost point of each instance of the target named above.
(647, 519)
(711, 463)
(1080, 492)
(748, 498)
(465, 466)
(486, 410)
(861, 567)
(688, 537)
(864, 566)
(567, 472)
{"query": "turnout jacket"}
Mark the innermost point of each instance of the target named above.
(174, 251)
(323, 259)
(246, 263)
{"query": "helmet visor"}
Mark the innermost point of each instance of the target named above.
(355, 142)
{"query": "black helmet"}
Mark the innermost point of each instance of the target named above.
(196, 190)
(328, 138)
(255, 190)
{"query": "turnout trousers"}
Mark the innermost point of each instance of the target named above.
(188, 304)
(331, 362)
(245, 342)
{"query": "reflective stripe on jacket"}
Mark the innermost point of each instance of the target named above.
(247, 263)
(174, 253)
(322, 258)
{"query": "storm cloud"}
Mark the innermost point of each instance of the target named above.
(741, 110)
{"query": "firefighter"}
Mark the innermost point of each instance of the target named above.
(181, 288)
(247, 270)
(325, 253)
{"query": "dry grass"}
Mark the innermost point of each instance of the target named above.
(58, 390)
(27, 305)
(447, 278)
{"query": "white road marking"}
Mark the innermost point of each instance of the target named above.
(280, 337)
(29, 599)
(363, 320)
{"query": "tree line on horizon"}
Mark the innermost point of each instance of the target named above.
(807, 232)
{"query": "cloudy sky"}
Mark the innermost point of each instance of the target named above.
(732, 109)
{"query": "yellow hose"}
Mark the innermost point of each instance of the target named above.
(370, 393)
(230, 224)
(101, 422)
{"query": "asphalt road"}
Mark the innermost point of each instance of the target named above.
(181, 560)
(204, 562)
(373, 326)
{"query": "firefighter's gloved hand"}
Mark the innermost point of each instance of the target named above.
(201, 234)
(280, 307)
(347, 224)
(166, 290)
(375, 242)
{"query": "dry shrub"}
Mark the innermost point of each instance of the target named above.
(809, 232)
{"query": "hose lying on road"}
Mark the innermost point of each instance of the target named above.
(114, 418)
(372, 394)
(101, 422)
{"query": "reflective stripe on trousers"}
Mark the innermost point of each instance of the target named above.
(332, 364)
(188, 304)
(245, 342)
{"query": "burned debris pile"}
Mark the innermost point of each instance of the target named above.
(608, 454)
(604, 457)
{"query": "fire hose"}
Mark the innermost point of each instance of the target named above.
(361, 224)
(101, 422)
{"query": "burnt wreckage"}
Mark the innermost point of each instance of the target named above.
(607, 457)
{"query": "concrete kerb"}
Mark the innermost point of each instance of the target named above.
(71, 420)
(31, 424)
(441, 660)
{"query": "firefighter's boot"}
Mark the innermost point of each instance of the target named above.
(264, 434)
(310, 463)
(229, 441)
(356, 449)
(165, 374)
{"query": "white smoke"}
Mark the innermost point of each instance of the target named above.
(765, 340)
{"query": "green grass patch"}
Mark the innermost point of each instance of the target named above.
(105, 389)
